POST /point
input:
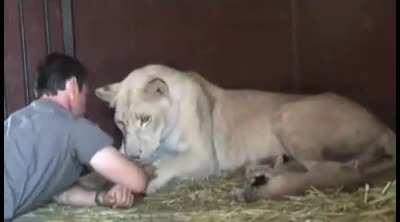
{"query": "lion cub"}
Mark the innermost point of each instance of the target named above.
(277, 177)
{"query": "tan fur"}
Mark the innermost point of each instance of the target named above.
(211, 129)
(294, 178)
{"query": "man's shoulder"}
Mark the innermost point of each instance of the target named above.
(24, 111)
(15, 119)
(34, 117)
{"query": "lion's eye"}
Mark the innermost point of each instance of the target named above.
(143, 120)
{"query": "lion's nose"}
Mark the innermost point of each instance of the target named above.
(133, 157)
(136, 155)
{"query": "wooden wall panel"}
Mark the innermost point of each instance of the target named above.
(254, 45)
(36, 49)
(55, 26)
(287, 46)
(13, 75)
(233, 44)
(349, 47)
(29, 34)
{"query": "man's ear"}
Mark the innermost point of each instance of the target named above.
(71, 85)
(108, 92)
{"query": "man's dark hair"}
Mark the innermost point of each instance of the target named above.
(53, 74)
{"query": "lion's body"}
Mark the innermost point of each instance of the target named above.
(211, 129)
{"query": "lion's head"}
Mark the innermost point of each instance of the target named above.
(143, 103)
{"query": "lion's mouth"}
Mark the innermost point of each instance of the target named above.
(133, 158)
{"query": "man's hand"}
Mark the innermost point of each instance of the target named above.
(117, 197)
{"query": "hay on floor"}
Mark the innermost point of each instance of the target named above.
(210, 200)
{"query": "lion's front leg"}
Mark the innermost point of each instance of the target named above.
(188, 164)
(160, 180)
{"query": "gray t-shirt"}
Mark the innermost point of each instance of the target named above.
(45, 148)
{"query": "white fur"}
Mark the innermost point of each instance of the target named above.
(212, 129)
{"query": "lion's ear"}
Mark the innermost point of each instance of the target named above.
(108, 92)
(156, 87)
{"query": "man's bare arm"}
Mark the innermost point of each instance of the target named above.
(111, 164)
(76, 196)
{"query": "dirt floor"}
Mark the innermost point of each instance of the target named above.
(210, 200)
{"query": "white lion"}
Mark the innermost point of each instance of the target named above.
(209, 129)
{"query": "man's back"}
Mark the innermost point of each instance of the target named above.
(44, 149)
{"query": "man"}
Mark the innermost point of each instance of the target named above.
(47, 143)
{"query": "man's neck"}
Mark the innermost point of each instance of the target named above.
(60, 100)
